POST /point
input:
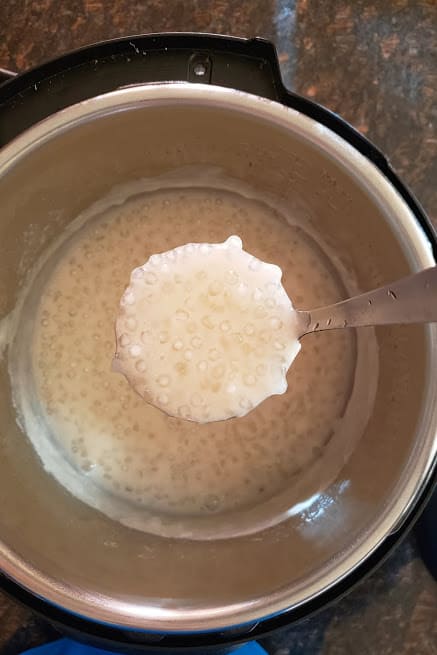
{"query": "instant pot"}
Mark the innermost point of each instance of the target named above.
(69, 131)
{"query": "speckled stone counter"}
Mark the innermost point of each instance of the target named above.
(375, 63)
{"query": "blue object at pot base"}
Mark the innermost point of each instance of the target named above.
(70, 647)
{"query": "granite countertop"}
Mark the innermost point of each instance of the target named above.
(375, 63)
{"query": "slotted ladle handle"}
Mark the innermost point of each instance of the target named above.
(412, 299)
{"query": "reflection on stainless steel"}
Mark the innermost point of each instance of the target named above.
(319, 504)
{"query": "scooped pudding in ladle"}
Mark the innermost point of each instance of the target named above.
(226, 333)
(206, 331)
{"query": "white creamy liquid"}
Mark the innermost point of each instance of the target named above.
(206, 331)
(127, 458)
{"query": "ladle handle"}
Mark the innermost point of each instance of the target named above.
(412, 299)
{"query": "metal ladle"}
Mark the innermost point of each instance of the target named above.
(412, 299)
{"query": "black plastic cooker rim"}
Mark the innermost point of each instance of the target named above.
(215, 54)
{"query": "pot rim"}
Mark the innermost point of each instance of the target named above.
(418, 250)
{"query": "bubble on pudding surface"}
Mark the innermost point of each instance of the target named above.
(201, 331)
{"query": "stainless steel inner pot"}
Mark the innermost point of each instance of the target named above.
(74, 557)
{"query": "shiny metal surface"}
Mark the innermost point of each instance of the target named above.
(412, 299)
(74, 557)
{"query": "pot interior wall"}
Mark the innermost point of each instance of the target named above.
(80, 548)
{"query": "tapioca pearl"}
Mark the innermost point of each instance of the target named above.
(245, 403)
(188, 354)
(178, 344)
(225, 326)
(215, 288)
(146, 336)
(249, 329)
(212, 503)
(279, 345)
(276, 323)
(249, 380)
(242, 288)
(196, 400)
(234, 242)
(182, 315)
(237, 337)
(128, 297)
(231, 387)
(130, 324)
(270, 303)
(232, 277)
(272, 288)
(260, 312)
(275, 272)
(202, 366)
(265, 336)
(234, 372)
(138, 273)
(196, 342)
(171, 255)
(228, 297)
(208, 322)
(135, 350)
(201, 275)
(163, 337)
(257, 294)
(184, 411)
(155, 260)
(188, 286)
(247, 348)
(124, 340)
(140, 366)
(153, 297)
(181, 368)
(261, 369)
(163, 380)
(214, 354)
(162, 399)
(255, 264)
(218, 371)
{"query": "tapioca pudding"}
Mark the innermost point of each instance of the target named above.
(129, 459)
